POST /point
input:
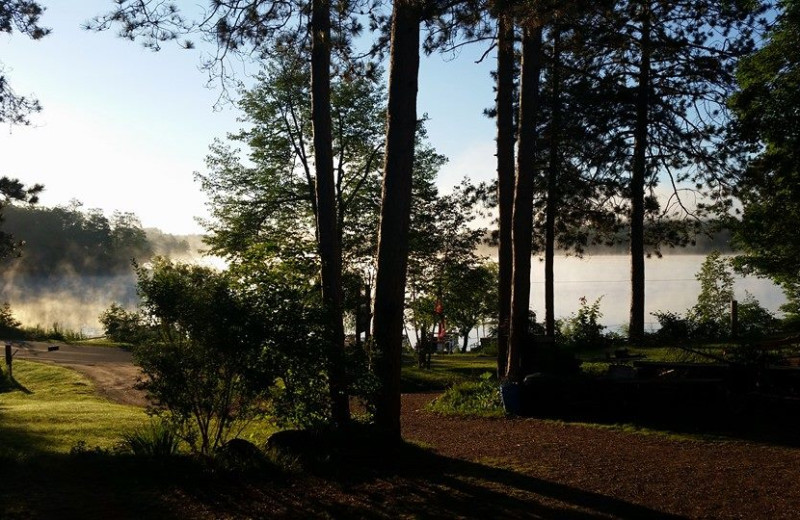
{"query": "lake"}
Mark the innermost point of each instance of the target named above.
(670, 286)
(75, 303)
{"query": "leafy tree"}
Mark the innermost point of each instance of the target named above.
(270, 202)
(243, 27)
(123, 326)
(9, 325)
(712, 310)
(469, 295)
(769, 188)
(208, 370)
(22, 15)
(442, 241)
(67, 239)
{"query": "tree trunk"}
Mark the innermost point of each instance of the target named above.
(395, 211)
(330, 251)
(466, 341)
(638, 179)
(518, 340)
(552, 190)
(505, 180)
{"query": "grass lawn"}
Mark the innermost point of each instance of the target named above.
(52, 409)
(445, 371)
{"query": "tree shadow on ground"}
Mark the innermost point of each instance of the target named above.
(761, 421)
(403, 482)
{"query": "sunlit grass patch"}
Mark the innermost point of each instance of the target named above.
(446, 370)
(479, 398)
(52, 409)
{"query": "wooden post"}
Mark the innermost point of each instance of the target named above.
(9, 359)
(734, 318)
(368, 312)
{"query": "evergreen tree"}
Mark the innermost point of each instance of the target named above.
(22, 16)
(671, 64)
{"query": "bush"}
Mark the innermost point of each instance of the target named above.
(156, 439)
(123, 326)
(471, 398)
(754, 320)
(208, 372)
(582, 329)
(673, 326)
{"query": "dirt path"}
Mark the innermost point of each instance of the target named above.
(110, 368)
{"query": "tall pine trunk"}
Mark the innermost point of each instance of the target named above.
(330, 249)
(395, 211)
(638, 179)
(519, 345)
(505, 179)
(552, 189)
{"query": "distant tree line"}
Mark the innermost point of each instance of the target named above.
(70, 240)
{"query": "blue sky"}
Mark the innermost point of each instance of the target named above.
(124, 128)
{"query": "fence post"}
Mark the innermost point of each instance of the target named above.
(9, 359)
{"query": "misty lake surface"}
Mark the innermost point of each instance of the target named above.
(670, 286)
(75, 303)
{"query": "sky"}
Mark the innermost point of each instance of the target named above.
(124, 129)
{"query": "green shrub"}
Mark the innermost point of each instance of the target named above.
(754, 320)
(582, 330)
(123, 326)
(208, 372)
(673, 326)
(155, 439)
(471, 398)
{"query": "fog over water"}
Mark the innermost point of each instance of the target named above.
(75, 302)
(670, 286)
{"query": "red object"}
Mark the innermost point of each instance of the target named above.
(438, 309)
(442, 330)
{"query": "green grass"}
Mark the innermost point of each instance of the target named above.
(471, 398)
(102, 342)
(446, 370)
(52, 409)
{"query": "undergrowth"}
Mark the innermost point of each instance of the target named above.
(481, 398)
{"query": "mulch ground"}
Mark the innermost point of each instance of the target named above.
(619, 471)
(466, 468)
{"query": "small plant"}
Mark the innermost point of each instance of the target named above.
(156, 439)
(83, 449)
(582, 329)
(673, 326)
(471, 398)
